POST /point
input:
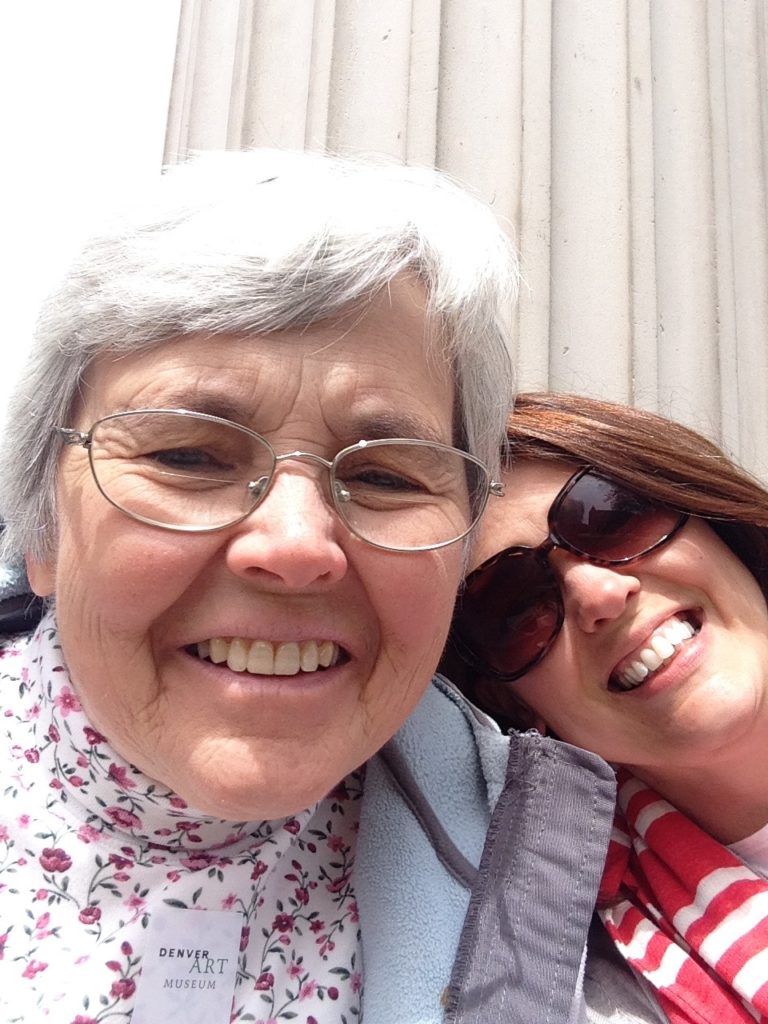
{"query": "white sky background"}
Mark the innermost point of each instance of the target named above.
(84, 87)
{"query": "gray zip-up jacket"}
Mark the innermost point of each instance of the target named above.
(477, 868)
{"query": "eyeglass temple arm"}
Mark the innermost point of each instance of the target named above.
(73, 437)
(496, 488)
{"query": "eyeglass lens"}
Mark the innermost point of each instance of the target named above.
(599, 518)
(191, 471)
(509, 613)
(511, 609)
(407, 495)
(177, 470)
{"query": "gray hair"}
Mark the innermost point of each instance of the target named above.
(253, 242)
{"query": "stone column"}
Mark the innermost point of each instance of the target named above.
(621, 142)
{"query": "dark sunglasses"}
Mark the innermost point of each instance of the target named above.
(511, 609)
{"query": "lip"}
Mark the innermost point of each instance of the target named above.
(678, 668)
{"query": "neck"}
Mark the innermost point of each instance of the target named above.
(729, 804)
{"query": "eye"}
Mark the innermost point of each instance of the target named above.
(379, 478)
(188, 459)
(389, 471)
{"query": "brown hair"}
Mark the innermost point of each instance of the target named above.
(651, 454)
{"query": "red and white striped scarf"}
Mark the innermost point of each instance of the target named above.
(687, 915)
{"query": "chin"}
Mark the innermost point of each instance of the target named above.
(251, 800)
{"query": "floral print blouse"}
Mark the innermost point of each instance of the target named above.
(90, 849)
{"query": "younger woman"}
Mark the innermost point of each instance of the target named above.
(620, 603)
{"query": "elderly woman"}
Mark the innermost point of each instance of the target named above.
(243, 467)
(621, 603)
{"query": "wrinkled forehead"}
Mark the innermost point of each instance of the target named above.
(379, 370)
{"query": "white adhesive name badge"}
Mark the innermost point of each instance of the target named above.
(189, 967)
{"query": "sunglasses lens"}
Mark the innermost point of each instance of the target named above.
(509, 613)
(600, 519)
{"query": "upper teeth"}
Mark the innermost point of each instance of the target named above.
(260, 657)
(659, 648)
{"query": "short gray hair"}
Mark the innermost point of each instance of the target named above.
(253, 242)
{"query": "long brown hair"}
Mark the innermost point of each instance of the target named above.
(651, 454)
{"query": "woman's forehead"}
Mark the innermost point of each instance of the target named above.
(381, 376)
(537, 478)
(520, 517)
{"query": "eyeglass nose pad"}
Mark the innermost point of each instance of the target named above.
(257, 488)
(341, 492)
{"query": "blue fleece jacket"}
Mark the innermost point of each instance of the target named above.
(477, 870)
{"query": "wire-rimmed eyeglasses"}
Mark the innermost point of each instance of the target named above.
(197, 473)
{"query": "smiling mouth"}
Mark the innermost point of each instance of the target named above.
(657, 652)
(263, 658)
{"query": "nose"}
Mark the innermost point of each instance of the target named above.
(594, 594)
(293, 538)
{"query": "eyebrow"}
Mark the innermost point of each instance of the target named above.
(373, 427)
(394, 424)
(211, 403)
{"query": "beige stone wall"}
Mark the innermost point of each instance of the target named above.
(623, 143)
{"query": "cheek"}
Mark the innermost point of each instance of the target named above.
(123, 573)
(550, 689)
(414, 605)
(113, 596)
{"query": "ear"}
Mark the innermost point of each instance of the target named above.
(41, 575)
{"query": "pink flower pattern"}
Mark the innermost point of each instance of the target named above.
(99, 846)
